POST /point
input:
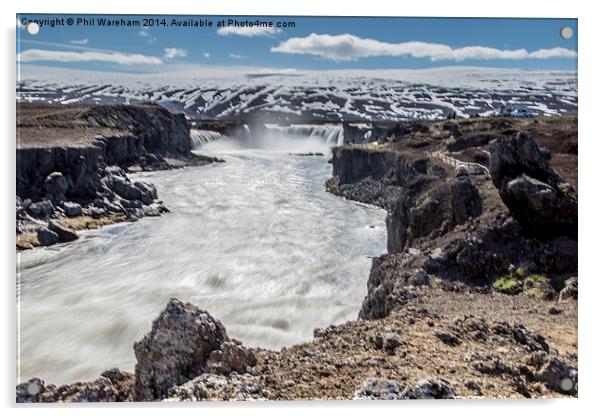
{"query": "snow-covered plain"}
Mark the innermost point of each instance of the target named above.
(290, 95)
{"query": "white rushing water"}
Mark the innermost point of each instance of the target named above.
(256, 241)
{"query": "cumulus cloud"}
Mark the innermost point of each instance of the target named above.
(171, 53)
(247, 31)
(348, 47)
(237, 56)
(32, 55)
(84, 41)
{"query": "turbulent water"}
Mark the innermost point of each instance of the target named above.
(256, 241)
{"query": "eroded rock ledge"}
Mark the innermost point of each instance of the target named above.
(72, 164)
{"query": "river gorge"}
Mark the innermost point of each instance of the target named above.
(255, 240)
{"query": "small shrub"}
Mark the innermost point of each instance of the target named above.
(507, 284)
(536, 278)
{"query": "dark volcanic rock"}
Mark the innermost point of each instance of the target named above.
(535, 194)
(176, 349)
(112, 386)
(64, 234)
(558, 376)
(432, 388)
(377, 389)
(47, 237)
(447, 337)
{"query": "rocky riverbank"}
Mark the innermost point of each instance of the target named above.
(73, 164)
(476, 297)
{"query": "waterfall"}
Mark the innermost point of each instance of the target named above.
(201, 137)
(330, 134)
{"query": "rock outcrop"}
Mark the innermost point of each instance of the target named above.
(176, 350)
(535, 194)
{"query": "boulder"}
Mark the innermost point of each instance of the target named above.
(56, 186)
(558, 376)
(377, 389)
(41, 209)
(47, 237)
(176, 349)
(63, 233)
(126, 189)
(148, 192)
(540, 200)
(72, 209)
(432, 388)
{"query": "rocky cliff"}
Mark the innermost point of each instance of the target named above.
(71, 164)
(450, 217)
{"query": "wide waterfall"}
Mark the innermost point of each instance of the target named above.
(331, 134)
(201, 137)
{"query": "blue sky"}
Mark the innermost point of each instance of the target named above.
(314, 43)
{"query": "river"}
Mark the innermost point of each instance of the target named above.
(256, 241)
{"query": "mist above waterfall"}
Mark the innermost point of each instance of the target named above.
(294, 139)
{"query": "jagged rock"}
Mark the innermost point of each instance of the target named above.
(387, 340)
(532, 340)
(64, 234)
(231, 357)
(30, 391)
(176, 349)
(112, 386)
(148, 192)
(558, 376)
(432, 388)
(126, 189)
(42, 209)
(377, 389)
(447, 337)
(533, 192)
(72, 209)
(56, 186)
(465, 199)
(570, 290)
(47, 237)
(474, 326)
(218, 387)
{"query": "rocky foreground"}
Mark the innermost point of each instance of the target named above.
(476, 298)
(73, 163)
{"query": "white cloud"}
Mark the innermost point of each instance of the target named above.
(145, 33)
(348, 47)
(247, 31)
(32, 55)
(553, 53)
(207, 55)
(84, 41)
(237, 56)
(171, 53)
